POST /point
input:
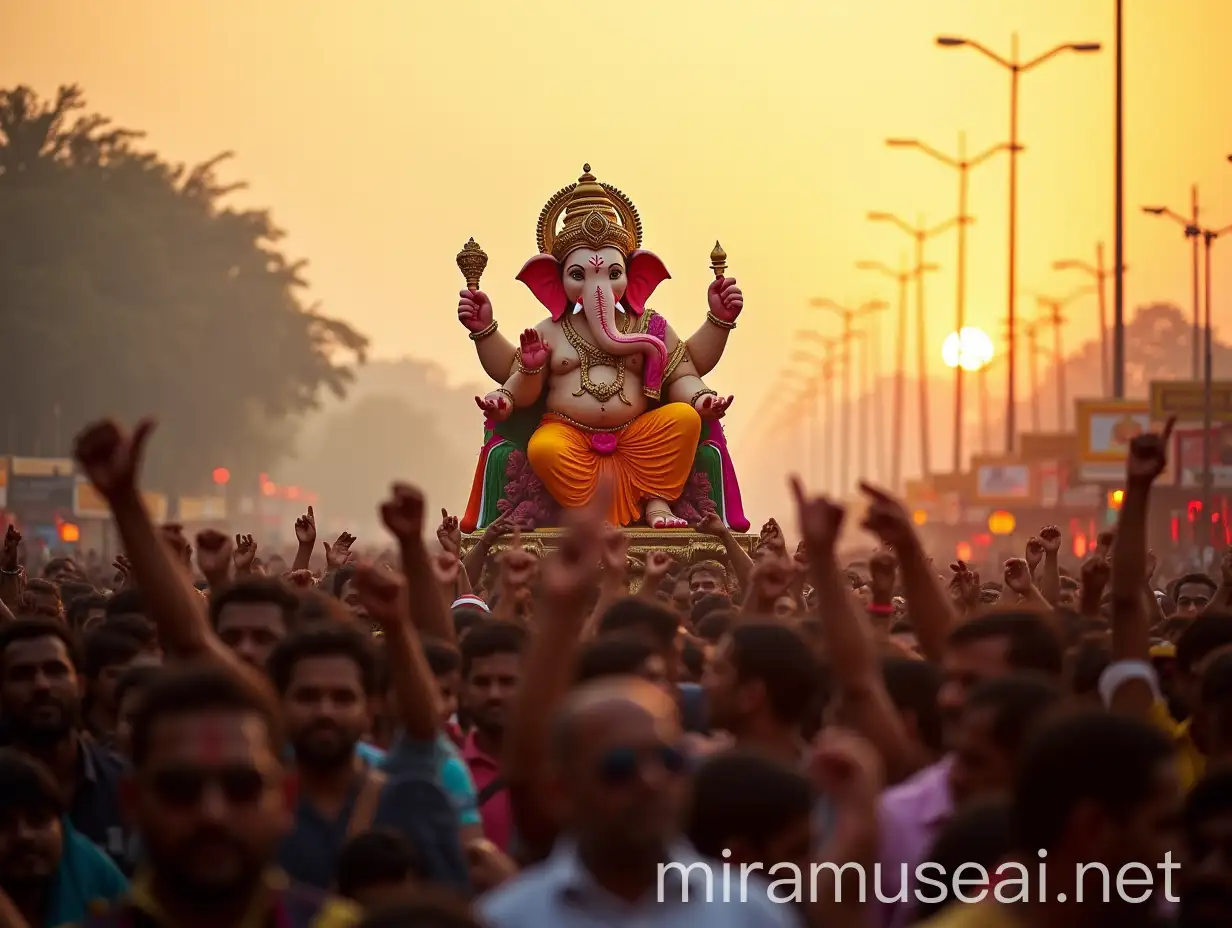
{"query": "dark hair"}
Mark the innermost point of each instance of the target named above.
(467, 617)
(779, 658)
(1201, 579)
(1089, 756)
(192, 689)
(1069, 583)
(27, 785)
(978, 833)
(132, 625)
(634, 615)
(137, 678)
(313, 607)
(1210, 796)
(58, 563)
(75, 612)
(491, 638)
(1206, 633)
(1032, 645)
(713, 625)
(126, 602)
(324, 640)
(708, 605)
(39, 585)
(102, 648)
(442, 656)
(1087, 664)
(1017, 703)
(73, 590)
(913, 687)
(707, 567)
(376, 857)
(255, 590)
(743, 795)
(1216, 685)
(28, 629)
(611, 657)
(427, 908)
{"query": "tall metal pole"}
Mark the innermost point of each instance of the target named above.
(900, 384)
(1100, 274)
(960, 297)
(865, 401)
(1208, 509)
(985, 439)
(1118, 258)
(1011, 425)
(876, 417)
(845, 452)
(830, 469)
(1193, 196)
(1030, 332)
(921, 350)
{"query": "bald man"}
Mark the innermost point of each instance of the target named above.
(620, 773)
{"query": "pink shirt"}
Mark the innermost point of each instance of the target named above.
(911, 814)
(497, 814)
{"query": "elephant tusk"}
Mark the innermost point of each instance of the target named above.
(577, 307)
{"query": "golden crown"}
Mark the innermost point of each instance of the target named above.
(597, 215)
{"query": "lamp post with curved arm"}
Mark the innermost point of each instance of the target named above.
(963, 165)
(1017, 67)
(1052, 307)
(921, 233)
(1101, 274)
(825, 366)
(903, 277)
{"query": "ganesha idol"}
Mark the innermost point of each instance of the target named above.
(602, 393)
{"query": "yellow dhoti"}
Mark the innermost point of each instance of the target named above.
(650, 458)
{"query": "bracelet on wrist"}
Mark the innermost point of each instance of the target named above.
(530, 371)
(505, 393)
(699, 394)
(716, 321)
(484, 332)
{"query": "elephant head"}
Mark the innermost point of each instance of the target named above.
(600, 282)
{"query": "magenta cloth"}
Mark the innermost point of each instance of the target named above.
(496, 813)
(603, 442)
(910, 815)
(733, 505)
(653, 375)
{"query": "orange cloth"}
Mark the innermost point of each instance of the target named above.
(652, 459)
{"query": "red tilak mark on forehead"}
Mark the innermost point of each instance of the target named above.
(212, 739)
(596, 261)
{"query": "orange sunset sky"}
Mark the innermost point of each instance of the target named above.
(383, 133)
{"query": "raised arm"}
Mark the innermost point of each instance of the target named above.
(495, 352)
(524, 385)
(706, 345)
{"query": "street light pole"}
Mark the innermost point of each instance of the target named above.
(1053, 306)
(920, 233)
(1016, 67)
(1118, 246)
(1101, 274)
(963, 165)
(1193, 232)
(826, 366)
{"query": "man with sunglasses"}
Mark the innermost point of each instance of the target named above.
(620, 771)
(212, 800)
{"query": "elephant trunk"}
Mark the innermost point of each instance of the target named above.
(600, 307)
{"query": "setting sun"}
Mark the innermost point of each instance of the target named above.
(971, 349)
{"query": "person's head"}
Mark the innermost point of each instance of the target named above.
(424, 908)
(129, 691)
(40, 687)
(1096, 787)
(996, 644)
(344, 589)
(1067, 597)
(106, 654)
(491, 673)
(42, 598)
(122, 602)
(326, 676)
(1085, 665)
(706, 579)
(913, 687)
(445, 662)
(999, 716)
(1206, 877)
(209, 793)
(757, 808)
(31, 836)
(622, 657)
(85, 611)
(377, 867)
(1208, 636)
(978, 833)
(59, 568)
(138, 628)
(467, 617)
(763, 676)
(252, 616)
(1192, 593)
(1211, 727)
(619, 768)
(681, 596)
(633, 617)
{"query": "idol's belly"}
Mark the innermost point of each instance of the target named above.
(597, 412)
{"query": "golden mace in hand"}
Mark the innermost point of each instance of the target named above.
(718, 260)
(471, 262)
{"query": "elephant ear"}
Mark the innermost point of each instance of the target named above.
(541, 274)
(645, 272)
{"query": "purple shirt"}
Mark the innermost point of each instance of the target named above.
(910, 815)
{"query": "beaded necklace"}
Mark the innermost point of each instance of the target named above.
(589, 355)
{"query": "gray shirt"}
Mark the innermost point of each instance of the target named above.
(560, 892)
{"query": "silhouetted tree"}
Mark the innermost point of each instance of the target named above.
(127, 286)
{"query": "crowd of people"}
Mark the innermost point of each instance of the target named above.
(451, 736)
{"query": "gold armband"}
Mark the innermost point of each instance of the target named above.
(484, 332)
(713, 320)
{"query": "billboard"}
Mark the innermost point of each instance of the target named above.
(1105, 429)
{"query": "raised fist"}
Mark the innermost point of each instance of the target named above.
(725, 299)
(474, 310)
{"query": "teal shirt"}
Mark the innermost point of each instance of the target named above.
(85, 875)
(453, 774)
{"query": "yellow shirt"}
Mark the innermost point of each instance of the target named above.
(972, 915)
(1191, 761)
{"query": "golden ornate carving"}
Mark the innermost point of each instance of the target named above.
(471, 262)
(718, 260)
(596, 215)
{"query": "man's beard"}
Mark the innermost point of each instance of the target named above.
(46, 731)
(313, 750)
